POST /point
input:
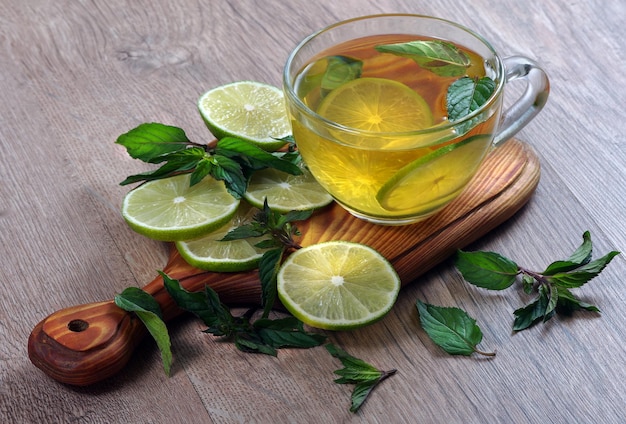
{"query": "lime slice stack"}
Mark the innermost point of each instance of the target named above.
(337, 285)
(249, 110)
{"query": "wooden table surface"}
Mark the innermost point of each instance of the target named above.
(76, 74)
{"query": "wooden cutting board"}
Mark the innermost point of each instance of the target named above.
(84, 344)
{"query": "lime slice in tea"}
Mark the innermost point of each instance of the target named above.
(212, 254)
(169, 209)
(249, 110)
(337, 285)
(435, 177)
(378, 105)
(286, 192)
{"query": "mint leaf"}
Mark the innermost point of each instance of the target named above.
(488, 270)
(340, 70)
(231, 172)
(569, 303)
(178, 162)
(286, 333)
(581, 256)
(451, 329)
(133, 299)
(269, 264)
(356, 371)
(534, 312)
(581, 275)
(251, 157)
(151, 142)
(466, 95)
(440, 57)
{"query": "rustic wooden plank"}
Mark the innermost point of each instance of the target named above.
(75, 75)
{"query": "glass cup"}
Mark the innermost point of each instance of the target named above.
(338, 88)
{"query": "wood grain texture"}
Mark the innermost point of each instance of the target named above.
(76, 74)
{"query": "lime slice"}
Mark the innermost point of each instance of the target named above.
(249, 110)
(378, 105)
(434, 178)
(169, 209)
(212, 254)
(337, 285)
(286, 192)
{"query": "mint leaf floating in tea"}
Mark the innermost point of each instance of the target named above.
(328, 73)
(340, 70)
(552, 286)
(259, 336)
(452, 329)
(465, 96)
(364, 376)
(232, 160)
(438, 56)
(133, 299)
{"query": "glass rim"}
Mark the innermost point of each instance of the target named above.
(289, 90)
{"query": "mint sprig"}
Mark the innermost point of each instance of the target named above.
(364, 376)
(231, 160)
(282, 230)
(552, 287)
(255, 336)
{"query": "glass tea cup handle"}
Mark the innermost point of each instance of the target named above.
(531, 101)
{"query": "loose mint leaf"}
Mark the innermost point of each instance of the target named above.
(253, 157)
(286, 333)
(179, 162)
(581, 256)
(269, 265)
(148, 310)
(451, 329)
(531, 314)
(356, 371)
(340, 70)
(150, 142)
(488, 270)
(441, 57)
(466, 95)
(582, 274)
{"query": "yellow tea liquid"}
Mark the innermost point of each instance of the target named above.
(364, 169)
